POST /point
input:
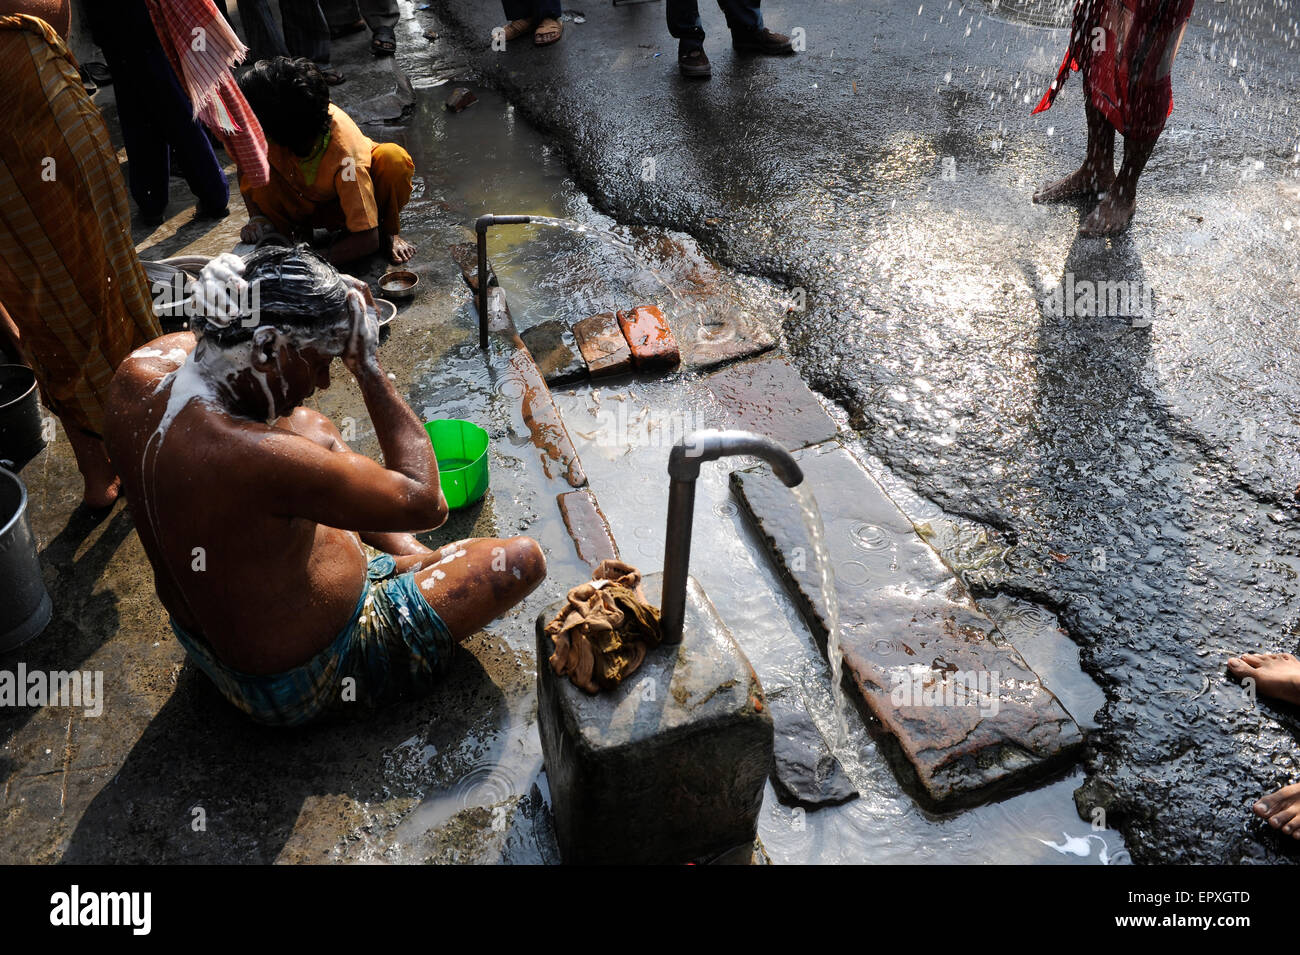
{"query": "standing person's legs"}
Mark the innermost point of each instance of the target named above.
(1098, 170)
(340, 14)
(743, 16)
(382, 14)
(87, 305)
(115, 29)
(684, 24)
(306, 32)
(381, 17)
(519, 9)
(1116, 211)
(264, 38)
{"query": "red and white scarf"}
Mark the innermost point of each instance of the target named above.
(202, 49)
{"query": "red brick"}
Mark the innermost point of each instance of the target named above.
(603, 347)
(651, 340)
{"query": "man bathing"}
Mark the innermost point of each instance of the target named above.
(1125, 50)
(253, 512)
(325, 173)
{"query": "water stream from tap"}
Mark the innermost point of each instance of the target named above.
(812, 519)
(615, 241)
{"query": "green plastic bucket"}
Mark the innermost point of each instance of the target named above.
(461, 449)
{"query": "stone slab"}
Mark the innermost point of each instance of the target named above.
(586, 524)
(654, 349)
(553, 347)
(537, 407)
(768, 396)
(967, 712)
(668, 767)
(603, 346)
(805, 771)
(375, 95)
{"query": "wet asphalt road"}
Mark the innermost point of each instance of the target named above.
(1136, 471)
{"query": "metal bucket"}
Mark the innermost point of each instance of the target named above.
(25, 606)
(20, 417)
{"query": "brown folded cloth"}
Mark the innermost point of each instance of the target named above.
(602, 634)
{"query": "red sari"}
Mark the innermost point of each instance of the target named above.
(1125, 49)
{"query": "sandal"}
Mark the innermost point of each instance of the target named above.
(331, 77)
(383, 43)
(338, 33)
(548, 31)
(517, 28)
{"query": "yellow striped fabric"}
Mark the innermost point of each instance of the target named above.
(69, 274)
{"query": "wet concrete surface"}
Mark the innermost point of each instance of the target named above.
(1132, 473)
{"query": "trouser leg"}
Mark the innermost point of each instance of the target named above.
(306, 33)
(743, 16)
(264, 37)
(684, 23)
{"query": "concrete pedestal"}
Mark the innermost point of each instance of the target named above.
(670, 766)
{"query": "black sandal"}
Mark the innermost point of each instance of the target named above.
(332, 78)
(384, 42)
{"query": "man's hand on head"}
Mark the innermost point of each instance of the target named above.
(220, 290)
(361, 355)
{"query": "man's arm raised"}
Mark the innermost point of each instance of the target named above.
(347, 490)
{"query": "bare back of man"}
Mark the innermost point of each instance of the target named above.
(255, 530)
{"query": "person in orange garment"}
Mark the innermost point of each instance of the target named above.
(325, 173)
(1125, 50)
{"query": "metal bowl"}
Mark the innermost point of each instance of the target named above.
(386, 311)
(399, 284)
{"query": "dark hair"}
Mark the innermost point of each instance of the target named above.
(292, 289)
(291, 100)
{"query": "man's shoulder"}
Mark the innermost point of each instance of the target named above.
(152, 362)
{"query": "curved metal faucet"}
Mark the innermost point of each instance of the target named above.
(481, 225)
(683, 468)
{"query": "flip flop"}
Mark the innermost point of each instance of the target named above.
(548, 31)
(517, 28)
(338, 33)
(383, 43)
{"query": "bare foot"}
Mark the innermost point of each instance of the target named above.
(1113, 215)
(1084, 181)
(1282, 810)
(399, 250)
(103, 486)
(1275, 674)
